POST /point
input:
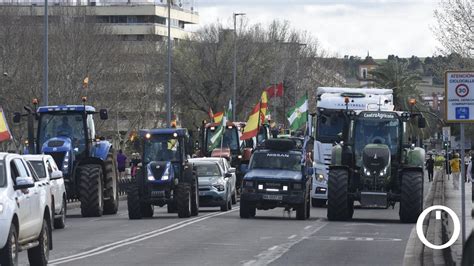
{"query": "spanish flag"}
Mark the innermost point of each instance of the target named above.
(259, 111)
(218, 117)
(4, 130)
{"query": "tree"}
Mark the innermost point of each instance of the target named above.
(202, 68)
(454, 29)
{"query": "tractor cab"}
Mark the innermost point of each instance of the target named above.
(66, 132)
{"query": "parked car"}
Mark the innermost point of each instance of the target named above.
(46, 169)
(214, 185)
(228, 169)
(25, 213)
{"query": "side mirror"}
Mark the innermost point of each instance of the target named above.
(56, 175)
(16, 118)
(24, 182)
(421, 122)
(103, 114)
(227, 175)
(232, 170)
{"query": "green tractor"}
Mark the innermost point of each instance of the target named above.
(376, 165)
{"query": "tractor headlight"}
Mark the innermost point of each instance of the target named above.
(260, 186)
(384, 171)
(165, 175)
(366, 172)
(239, 156)
(66, 162)
(285, 188)
(150, 175)
(320, 178)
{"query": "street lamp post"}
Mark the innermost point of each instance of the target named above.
(234, 92)
(45, 55)
(168, 89)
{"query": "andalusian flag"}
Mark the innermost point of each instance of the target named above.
(256, 118)
(4, 130)
(298, 115)
(217, 118)
(219, 132)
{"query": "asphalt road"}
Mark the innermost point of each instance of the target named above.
(373, 237)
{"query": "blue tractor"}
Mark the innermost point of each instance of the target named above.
(67, 133)
(165, 176)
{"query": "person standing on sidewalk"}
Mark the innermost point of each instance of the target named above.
(439, 163)
(121, 162)
(430, 167)
(455, 164)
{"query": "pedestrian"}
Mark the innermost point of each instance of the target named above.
(455, 164)
(430, 167)
(469, 172)
(121, 159)
(134, 163)
(439, 166)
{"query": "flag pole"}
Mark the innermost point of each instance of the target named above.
(224, 127)
(259, 117)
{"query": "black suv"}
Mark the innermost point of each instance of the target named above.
(277, 177)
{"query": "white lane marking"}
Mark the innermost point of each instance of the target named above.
(135, 239)
(292, 236)
(268, 256)
(308, 227)
(344, 238)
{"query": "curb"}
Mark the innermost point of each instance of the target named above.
(77, 204)
(415, 251)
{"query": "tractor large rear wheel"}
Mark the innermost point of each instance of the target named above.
(91, 190)
(411, 199)
(133, 203)
(184, 200)
(340, 208)
(111, 185)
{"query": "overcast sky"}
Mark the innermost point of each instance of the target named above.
(352, 27)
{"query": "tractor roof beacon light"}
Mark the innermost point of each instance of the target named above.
(346, 101)
(412, 102)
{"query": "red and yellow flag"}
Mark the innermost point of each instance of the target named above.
(4, 130)
(260, 110)
(218, 117)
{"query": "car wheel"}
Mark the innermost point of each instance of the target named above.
(60, 223)
(9, 253)
(225, 205)
(39, 255)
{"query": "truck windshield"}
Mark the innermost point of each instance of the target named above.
(378, 131)
(230, 140)
(161, 148)
(330, 123)
(276, 160)
(70, 124)
(3, 178)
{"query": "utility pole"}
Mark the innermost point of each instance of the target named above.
(234, 92)
(45, 55)
(168, 89)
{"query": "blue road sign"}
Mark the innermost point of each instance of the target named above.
(462, 112)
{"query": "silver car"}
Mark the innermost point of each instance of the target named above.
(228, 169)
(214, 186)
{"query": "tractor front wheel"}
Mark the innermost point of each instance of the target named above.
(111, 185)
(340, 208)
(133, 202)
(91, 190)
(184, 200)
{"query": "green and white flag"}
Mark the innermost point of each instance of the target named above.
(298, 115)
(216, 139)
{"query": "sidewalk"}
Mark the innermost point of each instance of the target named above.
(453, 200)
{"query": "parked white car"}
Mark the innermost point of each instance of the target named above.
(228, 170)
(25, 213)
(46, 169)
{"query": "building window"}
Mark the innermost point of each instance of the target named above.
(160, 20)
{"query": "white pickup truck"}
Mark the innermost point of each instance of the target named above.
(47, 170)
(25, 213)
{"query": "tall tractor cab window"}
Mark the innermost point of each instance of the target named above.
(162, 148)
(329, 124)
(68, 125)
(371, 128)
(230, 140)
